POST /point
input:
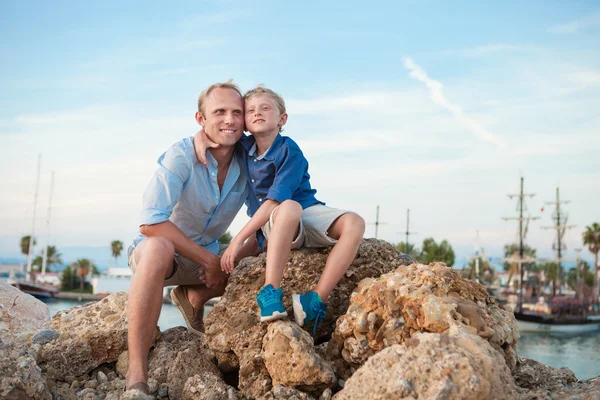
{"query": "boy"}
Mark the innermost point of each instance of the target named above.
(285, 211)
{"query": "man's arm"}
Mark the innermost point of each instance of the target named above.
(161, 196)
(185, 247)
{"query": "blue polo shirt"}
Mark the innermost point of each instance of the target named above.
(280, 174)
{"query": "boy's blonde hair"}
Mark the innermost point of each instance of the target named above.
(219, 85)
(260, 90)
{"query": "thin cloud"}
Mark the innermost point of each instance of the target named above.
(577, 25)
(482, 50)
(437, 95)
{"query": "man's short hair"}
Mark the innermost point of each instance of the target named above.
(261, 90)
(219, 85)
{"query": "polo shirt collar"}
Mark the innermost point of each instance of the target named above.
(271, 151)
(211, 160)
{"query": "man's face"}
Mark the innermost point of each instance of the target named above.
(223, 116)
(262, 115)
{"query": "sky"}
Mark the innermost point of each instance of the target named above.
(424, 105)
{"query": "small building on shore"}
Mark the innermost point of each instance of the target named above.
(112, 280)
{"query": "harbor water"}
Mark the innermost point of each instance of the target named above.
(579, 353)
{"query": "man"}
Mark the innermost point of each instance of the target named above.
(186, 207)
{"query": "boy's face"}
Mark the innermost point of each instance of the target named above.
(223, 116)
(262, 115)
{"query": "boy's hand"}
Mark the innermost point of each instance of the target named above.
(201, 144)
(229, 257)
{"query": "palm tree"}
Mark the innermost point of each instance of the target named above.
(591, 237)
(116, 247)
(83, 267)
(52, 257)
(24, 244)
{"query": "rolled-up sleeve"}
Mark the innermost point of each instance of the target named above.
(164, 189)
(288, 176)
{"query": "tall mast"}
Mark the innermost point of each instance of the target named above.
(32, 238)
(45, 256)
(408, 232)
(560, 219)
(377, 223)
(522, 232)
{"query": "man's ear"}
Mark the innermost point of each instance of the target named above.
(282, 120)
(199, 118)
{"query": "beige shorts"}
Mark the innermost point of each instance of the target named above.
(185, 272)
(313, 227)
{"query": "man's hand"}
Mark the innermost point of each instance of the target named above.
(201, 144)
(213, 275)
(230, 255)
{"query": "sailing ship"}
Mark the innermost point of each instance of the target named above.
(28, 285)
(562, 314)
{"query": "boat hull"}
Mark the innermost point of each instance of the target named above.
(35, 289)
(536, 327)
(539, 324)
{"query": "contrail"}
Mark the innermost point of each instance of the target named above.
(437, 95)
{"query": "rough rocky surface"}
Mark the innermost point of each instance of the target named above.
(234, 332)
(20, 376)
(536, 381)
(177, 356)
(285, 393)
(419, 298)
(291, 360)
(21, 315)
(433, 366)
(89, 336)
(207, 386)
(426, 332)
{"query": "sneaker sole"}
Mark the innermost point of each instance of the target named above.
(175, 301)
(299, 314)
(274, 316)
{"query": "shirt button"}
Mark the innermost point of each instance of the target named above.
(213, 174)
(252, 180)
(255, 160)
(259, 199)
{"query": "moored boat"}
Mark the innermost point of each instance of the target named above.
(35, 289)
(537, 322)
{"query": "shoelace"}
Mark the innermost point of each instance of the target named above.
(268, 296)
(319, 316)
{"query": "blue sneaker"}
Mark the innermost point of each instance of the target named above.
(269, 301)
(308, 307)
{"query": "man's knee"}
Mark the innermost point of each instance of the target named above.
(155, 252)
(288, 209)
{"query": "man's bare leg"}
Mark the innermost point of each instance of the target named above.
(154, 260)
(198, 295)
(285, 226)
(348, 230)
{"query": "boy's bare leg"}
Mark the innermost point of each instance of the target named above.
(154, 260)
(348, 230)
(285, 227)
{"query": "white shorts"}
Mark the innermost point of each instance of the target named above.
(314, 224)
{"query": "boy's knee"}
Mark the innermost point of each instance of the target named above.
(355, 224)
(289, 209)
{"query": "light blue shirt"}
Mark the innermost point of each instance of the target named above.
(186, 192)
